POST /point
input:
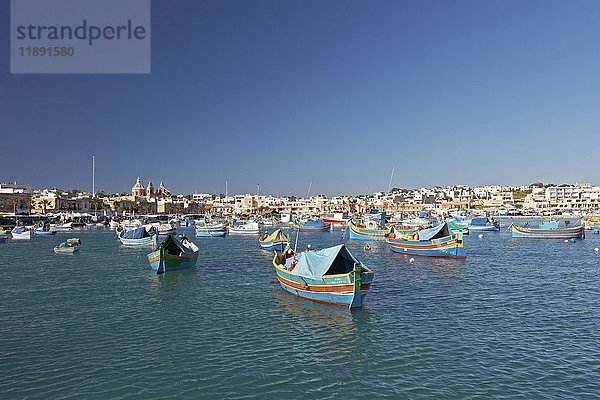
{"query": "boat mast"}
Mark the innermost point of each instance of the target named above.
(94, 182)
(391, 177)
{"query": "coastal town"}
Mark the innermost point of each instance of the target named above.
(535, 199)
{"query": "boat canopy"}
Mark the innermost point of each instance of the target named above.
(175, 246)
(314, 224)
(481, 221)
(549, 225)
(452, 225)
(330, 261)
(436, 232)
(276, 236)
(137, 233)
(20, 229)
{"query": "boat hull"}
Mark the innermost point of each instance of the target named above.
(566, 233)
(448, 247)
(66, 250)
(274, 246)
(21, 236)
(45, 233)
(210, 233)
(483, 228)
(338, 290)
(358, 233)
(244, 231)
(171, 262)
(143, 242)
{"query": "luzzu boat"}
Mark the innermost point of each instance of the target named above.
(367, 230)
(438, 241)
(276, 241)
(314, 226)
(330, 275)
(173, 254)
(548, 230)
(139, 237)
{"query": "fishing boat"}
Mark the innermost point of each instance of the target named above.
(138, 237)
(336, 219)
(548, 230)
(203, 232)
(69, 247)
(316, 225)
(43, 229)
(173, 254)
(276, 241)
(249, 228)
(366, 230)
(21, 233)
(64, 227)
(456, 227)
(483, 224)
(166, 229)
(438, 241)
(332, 275)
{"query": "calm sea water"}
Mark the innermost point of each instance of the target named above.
(518, 318)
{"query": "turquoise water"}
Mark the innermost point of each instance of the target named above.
(518, 318)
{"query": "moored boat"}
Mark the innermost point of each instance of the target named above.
(366, 230)
(276, 241)
(173, 254)
(21, 233)
(69, 247)
(139, 237)
(331, 275)
(202, 232)
(438, 241)
(336, 219)
(314, 226)
(43, 229)
(483, 224)
(548, 230)
(249, 228)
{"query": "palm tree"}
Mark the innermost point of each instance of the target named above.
(14, 201)
(45, 203)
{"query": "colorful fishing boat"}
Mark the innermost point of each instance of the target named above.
(276, 241)
(548, 230)
(331, 275)
(316, 225)
(438, 241)
(69, 247)
(173, 254)
(366, 230)
(139, 237)
(456, 227)
(21, 233)
(483, 224)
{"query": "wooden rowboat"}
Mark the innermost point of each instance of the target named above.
(549, 230)
(276, 241)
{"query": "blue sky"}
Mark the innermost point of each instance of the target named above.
(284, 93)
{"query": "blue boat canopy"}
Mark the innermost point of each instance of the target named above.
(330, 261)
(479, 221)
(138, 233)
(436, 232)
(314, 224)
(20, 229)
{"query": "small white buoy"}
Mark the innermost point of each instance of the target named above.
(596, 249)
(411, 260)
(480, 236)
(566, 240)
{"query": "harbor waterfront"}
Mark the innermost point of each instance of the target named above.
(518, 317)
